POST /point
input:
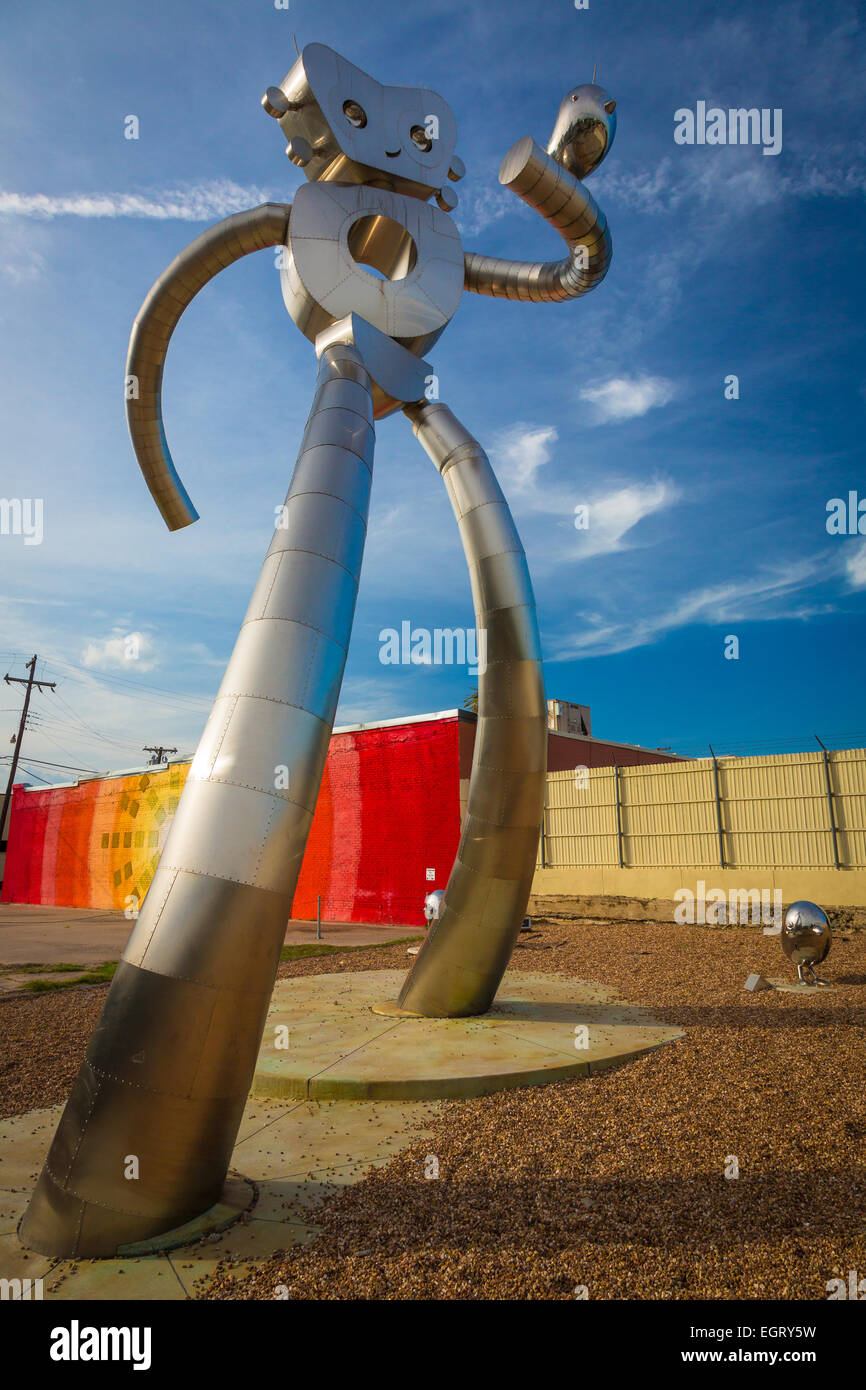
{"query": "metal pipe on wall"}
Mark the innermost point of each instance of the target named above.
(618, 815)
(830, 807)
(718, 798)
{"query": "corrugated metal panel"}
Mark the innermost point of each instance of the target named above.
(774, 811)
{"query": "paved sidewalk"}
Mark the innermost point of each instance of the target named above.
(296, 1153)
(88, 936)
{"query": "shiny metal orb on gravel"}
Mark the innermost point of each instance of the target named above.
(806, 934)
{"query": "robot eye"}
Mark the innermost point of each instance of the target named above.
(355, 114)
(574, 96)
(421, 138)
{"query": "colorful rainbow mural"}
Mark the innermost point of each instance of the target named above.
(388, 814)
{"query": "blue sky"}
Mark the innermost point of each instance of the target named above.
(707, 516)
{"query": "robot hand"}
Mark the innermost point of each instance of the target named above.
(549, 182)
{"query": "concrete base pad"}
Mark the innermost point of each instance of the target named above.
(237, 1196)
(291, 1155)
(322, 1040)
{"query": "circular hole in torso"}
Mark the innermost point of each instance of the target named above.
(382, 247)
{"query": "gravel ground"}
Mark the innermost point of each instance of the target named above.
(614, 1184)
(44, 1037)
(42, 1042)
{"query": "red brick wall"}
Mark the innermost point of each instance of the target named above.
(388, 810)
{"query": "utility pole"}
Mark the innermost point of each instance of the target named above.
(29, 682)
(158, 753)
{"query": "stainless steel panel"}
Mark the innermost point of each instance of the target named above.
(489, 530)
(343, 429)
(512, 634)
(500, 581)
(510, 798)
(460, 964)
(287, 662)
(468, 486)
(324, 526)
(265, 746)
(336, 473)
(510, 745)
(234, 833)
(173, 1054)
(308, 588)
(498, 850)
(208, 956)
(347, 395)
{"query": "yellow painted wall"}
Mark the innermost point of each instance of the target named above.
(828, 887)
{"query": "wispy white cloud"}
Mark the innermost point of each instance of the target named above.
(203, 656)
(479, 208)
(710, 176)
(855, 566)
(625, 398)
(611, 516)
(519, 453)
(22, 265)
(21, 252)
(195, 203)
(121, 651)
(762, 597)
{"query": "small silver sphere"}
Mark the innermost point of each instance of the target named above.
(433, 906)
(806, 934)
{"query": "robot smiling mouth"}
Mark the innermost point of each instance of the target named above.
(392, 154)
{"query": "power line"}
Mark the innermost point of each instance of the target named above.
(67, 767)
(107, 677)
(31, 773)
(80, 730)
(57, 744)
(89, 727)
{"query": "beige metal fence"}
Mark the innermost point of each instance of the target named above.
(799, 810)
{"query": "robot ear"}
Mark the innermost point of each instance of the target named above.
(276, 103)
(610, 107)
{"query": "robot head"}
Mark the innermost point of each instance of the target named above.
(584, 129)
(343, 126)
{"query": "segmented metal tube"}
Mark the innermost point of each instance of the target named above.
(462, 960)
(167, 1072)
(563, 201)
(157, 318)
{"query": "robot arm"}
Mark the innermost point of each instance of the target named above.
(549, 181)
(210, 253)
(562, 200)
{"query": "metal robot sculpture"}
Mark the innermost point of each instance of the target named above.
(806, 939)
(167, 1072)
